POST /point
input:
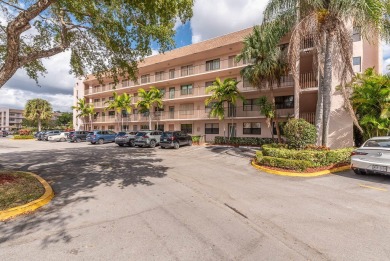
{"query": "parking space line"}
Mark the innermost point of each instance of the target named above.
(371, 187)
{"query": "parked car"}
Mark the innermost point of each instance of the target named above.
(60, 137)
(147, 138)
(175, 139)
(127, 139)
(50, 133)
(78, 136)
(40, 135)
(372, 157)
(101, 136)
(4, 133)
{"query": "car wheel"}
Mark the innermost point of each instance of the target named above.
(100, 141)
(120, 145)
(78, 140)
(358, 172)
(152, 144)
(190, 143)
(62, 139)
(92, 142)
(162, 147)
(176, 145)
(131, 143)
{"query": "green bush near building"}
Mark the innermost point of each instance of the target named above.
(243, 141)
(23, 137)
(299, 133)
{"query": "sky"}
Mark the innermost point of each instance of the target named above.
(210, 19)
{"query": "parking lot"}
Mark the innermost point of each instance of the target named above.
(194, 203)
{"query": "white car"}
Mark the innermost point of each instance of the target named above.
(60, 137)
(372, 157)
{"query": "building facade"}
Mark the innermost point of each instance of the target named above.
(10, 119)
(183, 75)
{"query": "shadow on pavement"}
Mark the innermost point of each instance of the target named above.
(232, 151)
(380, 179)
(71, 172)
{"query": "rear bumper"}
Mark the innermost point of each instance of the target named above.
(167, 144)
(366, 167)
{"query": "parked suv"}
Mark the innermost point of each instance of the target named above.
(77, 136)
(128, 139)
(147, 138)
(50, 133)
(175, 139)
(101, 136)
(4, 133)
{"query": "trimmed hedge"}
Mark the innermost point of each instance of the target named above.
(317, 158)
(247, 141)
(297, 165)
(299, 133)
(23, 137)
(196, 139)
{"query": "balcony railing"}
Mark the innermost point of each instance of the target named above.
(238, 112)
(308, 116)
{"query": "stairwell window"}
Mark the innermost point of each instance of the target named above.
(212, 65)
(357, 64)
(284, 102)
(186, 89)
(211, 128)
(252, 128)
(356, 34)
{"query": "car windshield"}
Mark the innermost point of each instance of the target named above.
(167, 134)
(140, 134)
(121, 133)
(377, 143)
(90, 133)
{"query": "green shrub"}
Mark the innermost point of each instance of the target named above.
(297, 165)
(245, 141)
(299, 133)
(23, 137)
(317, 158)
(196, 139)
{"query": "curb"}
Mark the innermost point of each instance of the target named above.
(299, 174)
(33, 205)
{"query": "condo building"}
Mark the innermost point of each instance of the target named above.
(10, 119)
(183, 74)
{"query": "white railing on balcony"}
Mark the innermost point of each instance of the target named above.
(308, 116)
(308, 80)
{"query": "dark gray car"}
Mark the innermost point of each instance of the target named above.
(175, 139)
(77, 136)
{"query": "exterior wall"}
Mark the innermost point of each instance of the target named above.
(222, 48)
(10, 119)
(78, 92)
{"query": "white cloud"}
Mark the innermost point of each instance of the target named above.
(219, 17)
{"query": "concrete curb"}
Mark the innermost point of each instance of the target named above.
(299, 174)
(33, 205)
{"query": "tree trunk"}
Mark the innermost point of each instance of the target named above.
(327, 88)
(91, 117)
(150, 121)
(271, 88)
(319, 109)
(39, 125)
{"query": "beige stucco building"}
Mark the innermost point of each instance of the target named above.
(184, 73)
(10, 119)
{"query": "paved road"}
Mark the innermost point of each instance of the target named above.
(195, 203)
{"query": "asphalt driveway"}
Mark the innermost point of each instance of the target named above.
(195, 203)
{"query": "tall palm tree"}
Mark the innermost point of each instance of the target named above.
(326, 22)
(38, 110)
(84, 111)
(149, 100)
(268, 63)
(223, 93)
(268, 110)
(119, 104)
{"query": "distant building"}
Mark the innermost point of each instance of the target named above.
(10, 119)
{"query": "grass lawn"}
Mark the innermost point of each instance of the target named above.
(18, 188)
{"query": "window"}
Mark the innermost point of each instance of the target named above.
(207, 84)
(212, 65)
(145, 78)
(144, 127)
(284, 102)
(252, 128)
(356, 34)
(111, 86)
(160, 76)
(111, 114)
(187, 70)
(211, 128)
(249, 105)
(246, 61)
(159, 127)
(186, 128)
(135, 127)
(209, 107)
(171, 73)
(187, 109)
(110, 127)
(232, 61)
(186, 89)
(125, 83)
(171, 92)
(246, 83)
(357, 64)
(162, 92)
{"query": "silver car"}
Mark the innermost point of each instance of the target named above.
(372, 157)
(147, 138)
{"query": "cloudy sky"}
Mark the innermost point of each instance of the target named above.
(211, 19)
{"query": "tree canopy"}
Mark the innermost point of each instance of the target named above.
(38, 110)
(106, 38)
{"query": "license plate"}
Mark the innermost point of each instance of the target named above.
(379, 168)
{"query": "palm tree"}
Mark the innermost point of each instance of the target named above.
(268, 64)
(148, 100)
(39, 110)
(326, 22)
(119, 104)
(268, 110)
(84, 111)
(225, 92)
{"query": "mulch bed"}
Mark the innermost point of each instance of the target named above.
(18, 188)
(309, 170)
